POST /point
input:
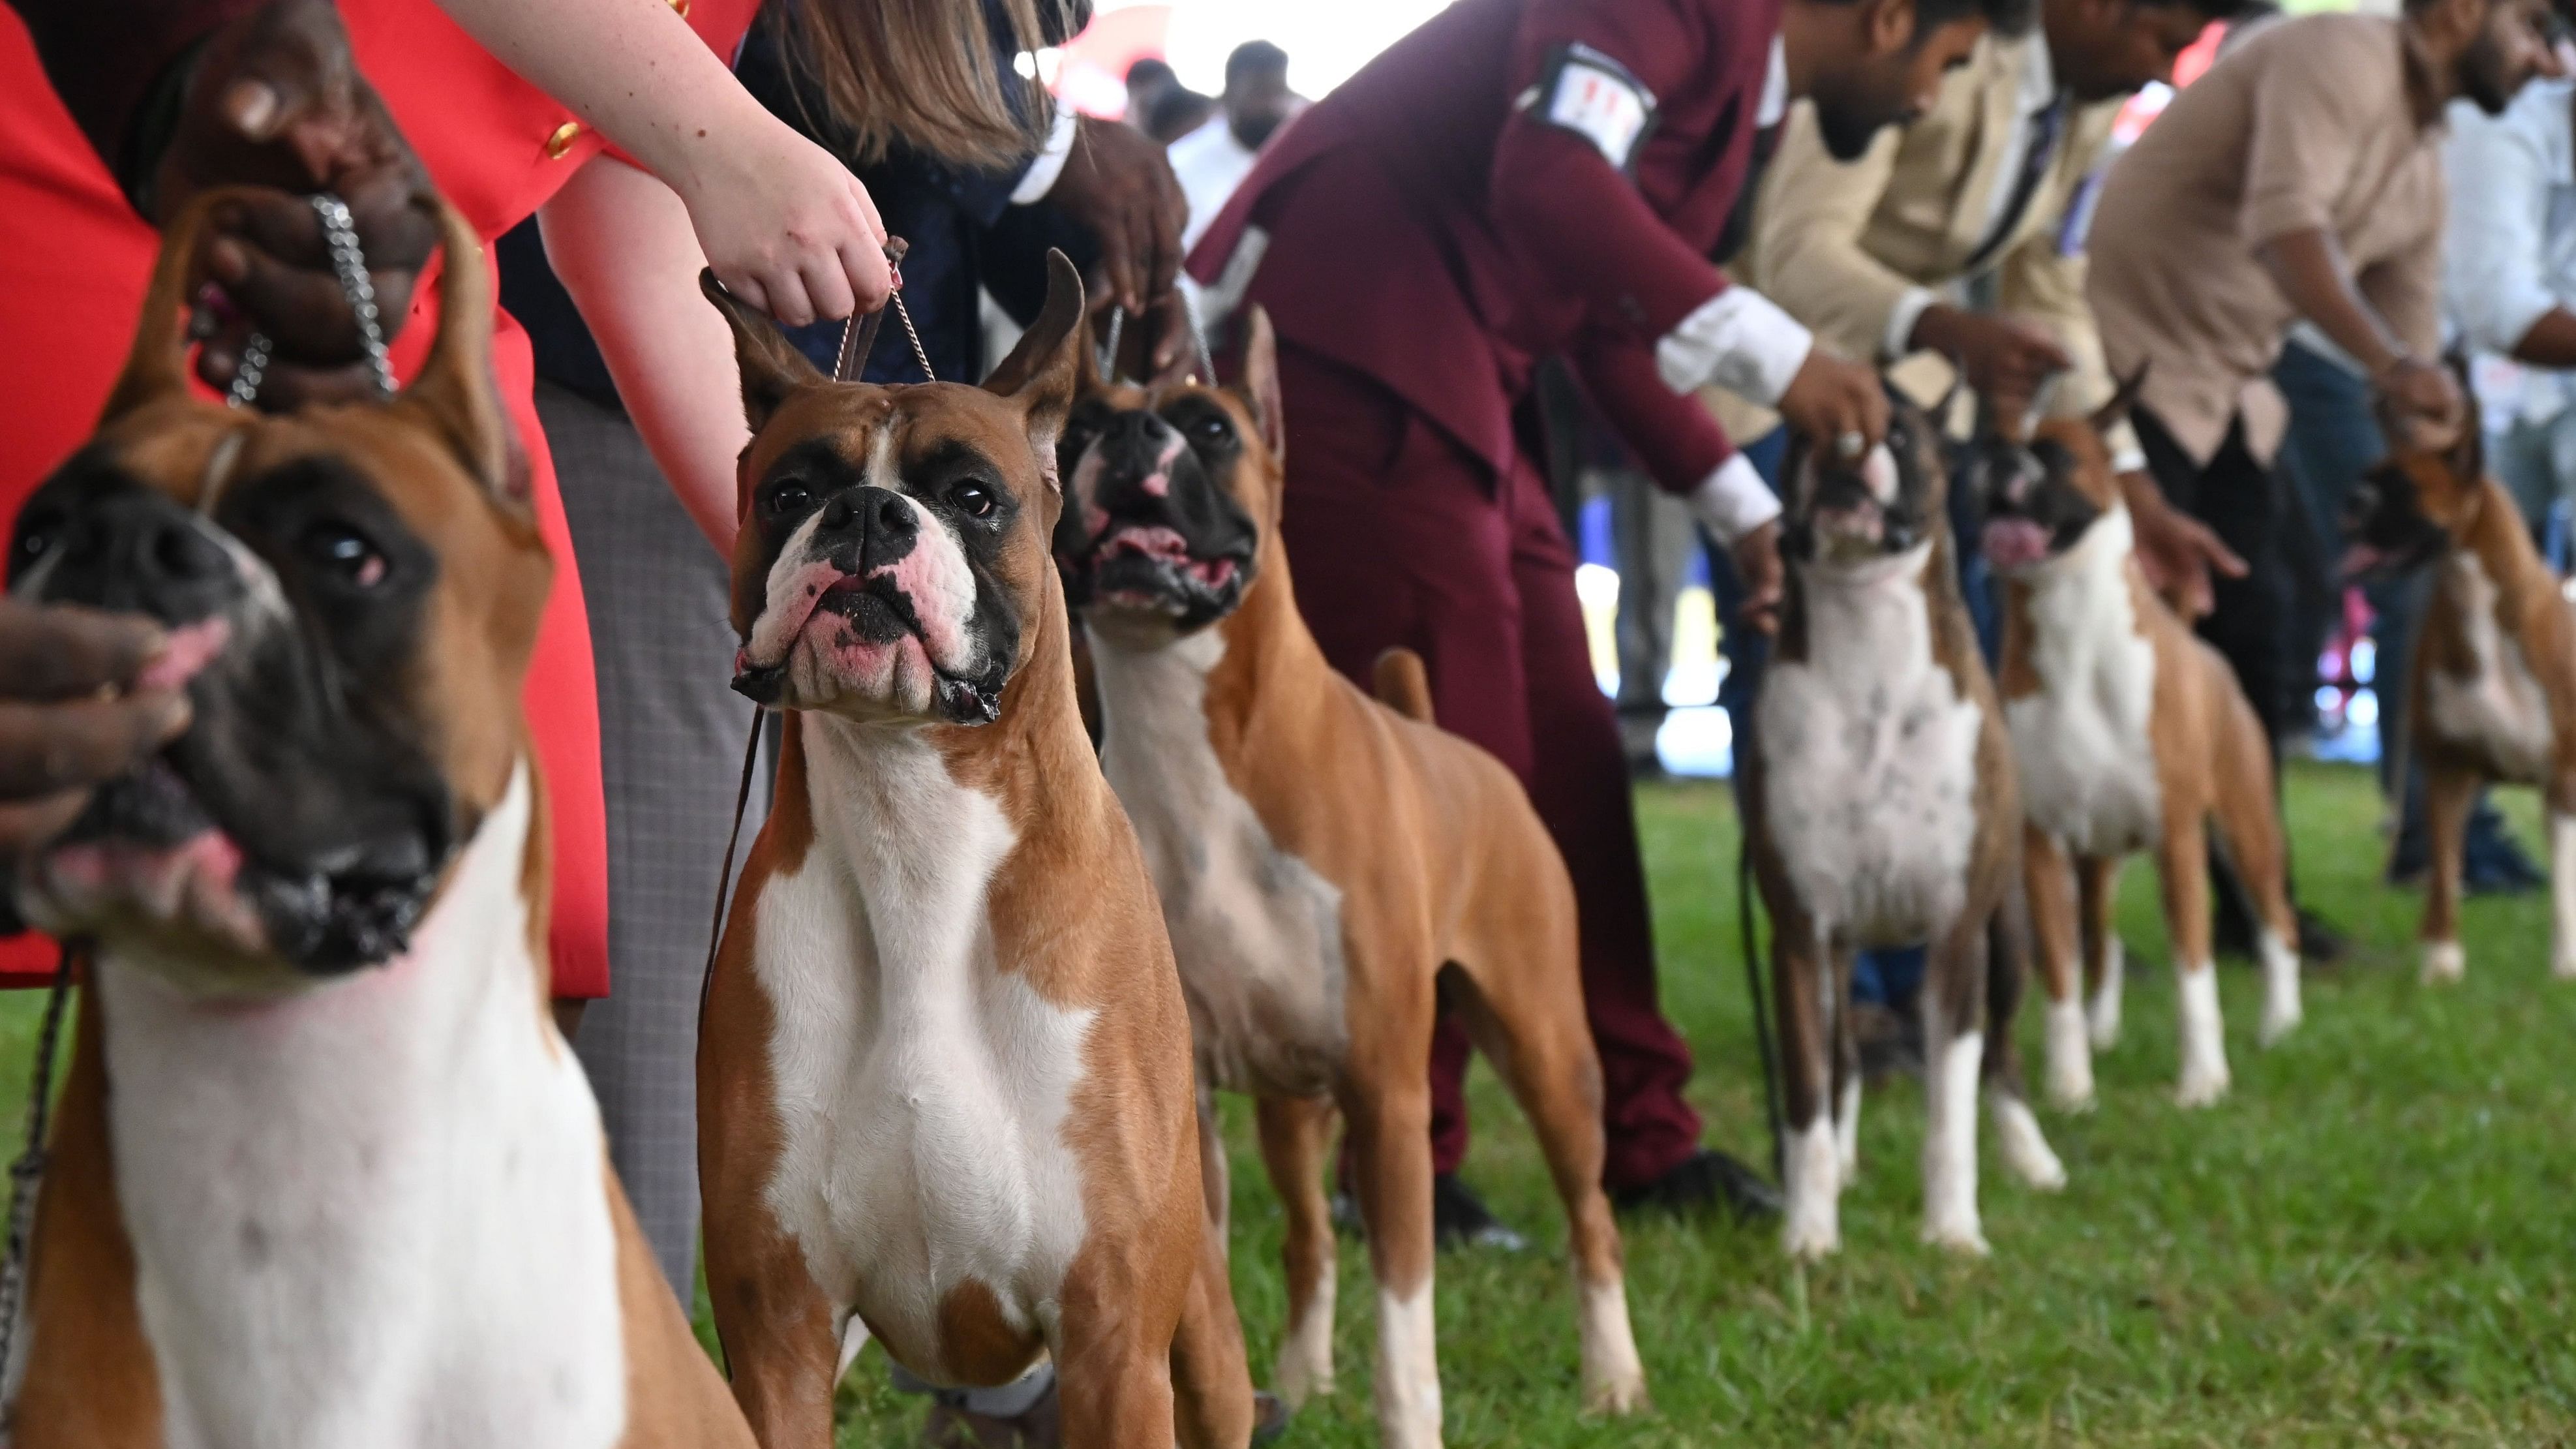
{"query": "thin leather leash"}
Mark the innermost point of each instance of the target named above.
(858, 340)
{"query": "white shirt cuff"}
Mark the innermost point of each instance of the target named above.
(1899, 340)
(1739, 340)
(1048, 164)
(1734, 501)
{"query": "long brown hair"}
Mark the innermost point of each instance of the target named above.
(925, 72)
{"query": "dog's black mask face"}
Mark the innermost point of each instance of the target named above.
(1842, 513)
(2386, 531)
(1151, 531)
(2029, 497)
(304, 811)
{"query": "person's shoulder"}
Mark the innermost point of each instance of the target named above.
(2327, 35)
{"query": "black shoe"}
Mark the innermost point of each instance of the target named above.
(2319, 943)
(1705, 1179)
(1460, 1219)
(1891, 1042)
(2493, 865)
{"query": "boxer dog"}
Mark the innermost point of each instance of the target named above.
(1329, 865)
(944, 1076)
(1880, 809)
(324, 1173)
(2492, 696)
(2131, 735)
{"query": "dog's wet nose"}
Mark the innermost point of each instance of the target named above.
(135, 550)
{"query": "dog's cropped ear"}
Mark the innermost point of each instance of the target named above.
(771, 366)
(156, 366)
(456, 392)
(1258, 383)
(2123, 398)
(1042, 372)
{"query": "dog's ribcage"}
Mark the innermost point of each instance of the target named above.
(2496, 710)
(1257, 932)
(2088, 769)
(1869, 760)
(922, 1091)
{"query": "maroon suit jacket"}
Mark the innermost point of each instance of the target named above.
(1424, 232)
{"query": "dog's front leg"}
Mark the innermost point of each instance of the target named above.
(2562, 876)
(1804, 996)
(1390, 1124)
(1954, 1049)
(2182, 869)
(1296, 1132)
(2448, 795)
(2050, 885)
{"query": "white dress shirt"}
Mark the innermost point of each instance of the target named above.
(1210, 163)
(2509, 254)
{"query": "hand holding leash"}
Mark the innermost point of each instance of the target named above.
(1836, 404)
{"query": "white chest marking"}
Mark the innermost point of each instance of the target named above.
(922, 1088)
(376, 1212)
(2497, 708)
(2088, 771)
(1257, 931)
(1869, 758)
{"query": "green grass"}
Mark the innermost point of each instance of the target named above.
(2368, 1243)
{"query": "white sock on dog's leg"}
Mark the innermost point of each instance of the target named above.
(2106, 1000)
(2562, 895)
(2070, 1057)
(1306, 1353)
(1950, 1142)
(2444, 962)
(2204, 1038)
(1811, 1225)
(1408, 1370)
(1847, 1131)
(2281, 1013)
(1614, 1378)
(2025, 1147)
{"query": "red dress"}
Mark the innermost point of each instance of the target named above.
(74, 259)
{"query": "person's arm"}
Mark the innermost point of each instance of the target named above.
(2041, 285)
(2495, 267)
(1565, 206)
(784, 224)
(112, 64)
(1807, 250)
(621, 243)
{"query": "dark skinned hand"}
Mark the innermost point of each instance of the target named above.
(70, 716)
(1118, 185)
(276, 100)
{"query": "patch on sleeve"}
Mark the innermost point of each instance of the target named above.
(1583, 91)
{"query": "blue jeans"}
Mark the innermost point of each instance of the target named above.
(1890, 978)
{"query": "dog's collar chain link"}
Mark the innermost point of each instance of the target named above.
(349, 260)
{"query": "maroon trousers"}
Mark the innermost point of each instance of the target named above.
(1401, 536)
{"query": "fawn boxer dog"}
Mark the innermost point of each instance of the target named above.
(944, 1075)
(1880, 809)
(2492, 694)
(1328, 864)
(325, 1174)
(2131, 735)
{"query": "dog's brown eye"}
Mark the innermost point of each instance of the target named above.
(973, 499)
(1212, 428)
(345, 554)
(785, 497)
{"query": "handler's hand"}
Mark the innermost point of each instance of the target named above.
(275, 99)
(2005, 360)
(1833, 401)
(786, 227)
(71, 716)
(2176, 552)
(2425, 400)
(1118, 185)
(1757, 570)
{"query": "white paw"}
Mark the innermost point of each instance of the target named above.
(2444, 962)
(2201, 1087)
(2025, 1147)
(1614, 1381)
(2104, 1020)
(1299, 1377)
(1810, 1234)
(1623, 1396)
(1957, 1235)
(2279, 1020)
(2562, 965)
(2070, 1058)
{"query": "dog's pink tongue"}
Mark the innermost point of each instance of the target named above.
(192, 648)
(2011, 543)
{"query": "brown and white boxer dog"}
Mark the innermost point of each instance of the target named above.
(944, 1075)
(2132, 735)
(325, 1174)
(1881, 810)
(2492, 695)
(1329, 864)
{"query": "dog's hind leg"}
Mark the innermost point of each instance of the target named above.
(2097, 893)
(1954, 1047)
(2025, 1147)
(2050, 886)
(2448, 795)
(1296, 1132)
(1847, 1072)
(2249, 833)
(2182, 869)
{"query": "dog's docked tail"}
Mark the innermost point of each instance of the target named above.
(1403, 686)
